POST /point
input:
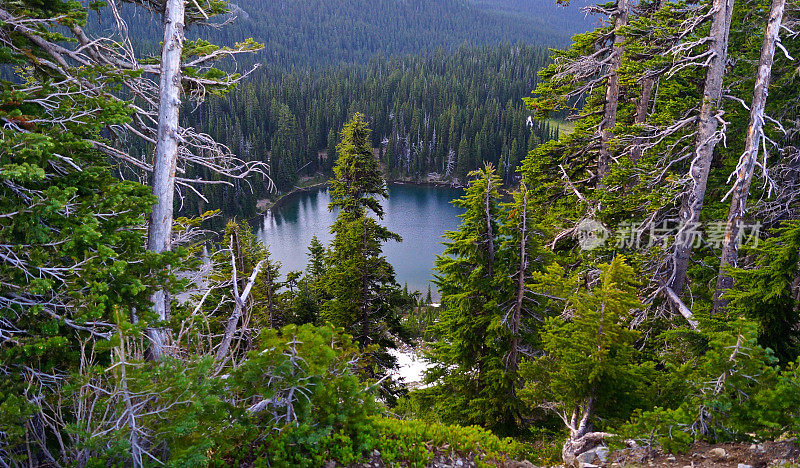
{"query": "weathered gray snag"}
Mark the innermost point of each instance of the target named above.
(166, 157)
(513, 355)
(681, 307)
(489, 231)
(238, 304)
(707, 138)
(581, 439)
(747, 162)
(612, 91)
(648, 85)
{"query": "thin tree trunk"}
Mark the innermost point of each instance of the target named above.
(796, 289)
(160, 229)
(707, 139)
(612, 92)
(270, 300)
(238, 304)
(489, 230)
(648, 85)
(130, 409)
(642, 106)
(747, 163)
(513, 357)
(364, 291)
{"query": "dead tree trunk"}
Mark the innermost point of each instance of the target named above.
(238, 303)
(581, 438)
(648, 85)
(747, 163)
(489, 230)
(513, 355)
(707, 138)
(166, 157)
(642, 105)
(612, 92)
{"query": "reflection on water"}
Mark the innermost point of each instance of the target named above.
(420, 214)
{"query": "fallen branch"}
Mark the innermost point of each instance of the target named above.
(678, 303)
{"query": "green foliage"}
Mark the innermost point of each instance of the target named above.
(357, 177)
(73, 240)
(408, 442)
(724, 399)
(317, 33)
(590, 360)
(363, 296)
(420, 322)
(766, 293)
(420, 108)
(266, 303)
(469, 373)
(305, 404)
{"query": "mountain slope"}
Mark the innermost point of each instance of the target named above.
(300, 33)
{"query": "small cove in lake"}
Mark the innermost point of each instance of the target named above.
(421, 214)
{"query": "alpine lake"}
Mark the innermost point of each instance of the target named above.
(421, 214)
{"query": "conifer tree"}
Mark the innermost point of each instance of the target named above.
(74, 271)
(590, 367)
(364, 296)
(239, 257)
(305, 304)
(520, 255)
(768, 293)
(316, 258)
(744, 171)
(472, 385)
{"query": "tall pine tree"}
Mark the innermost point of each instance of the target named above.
(364, 295)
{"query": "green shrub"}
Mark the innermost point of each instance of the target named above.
(414, 442)
(734, 393)
(304, 403)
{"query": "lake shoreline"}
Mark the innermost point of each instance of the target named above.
(264, 205)
(419, 212)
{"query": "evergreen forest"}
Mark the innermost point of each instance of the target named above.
(622, 289)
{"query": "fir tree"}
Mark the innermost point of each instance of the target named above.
(768, 292)
(357, 176)
(364, 296)
(590, 366)
(472, 385)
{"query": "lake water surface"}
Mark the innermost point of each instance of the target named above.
(420, 214)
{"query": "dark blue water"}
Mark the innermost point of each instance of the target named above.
(420, 214)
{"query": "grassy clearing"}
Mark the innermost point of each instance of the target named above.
(564, 127)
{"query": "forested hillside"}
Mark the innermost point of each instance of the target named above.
(300, 33)
(631, 292)
(438, 112)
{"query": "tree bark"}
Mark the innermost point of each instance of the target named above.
(238, 304)
(705, 143)
(678, 304)
(166, 156)
(489, 230)
(648, 86)
(513, 356)
(365, 289)
(747, 163)
(612, 92)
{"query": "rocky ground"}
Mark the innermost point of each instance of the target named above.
(763, 455)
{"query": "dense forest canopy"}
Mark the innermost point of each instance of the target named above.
(438, 112)
(301, 33)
